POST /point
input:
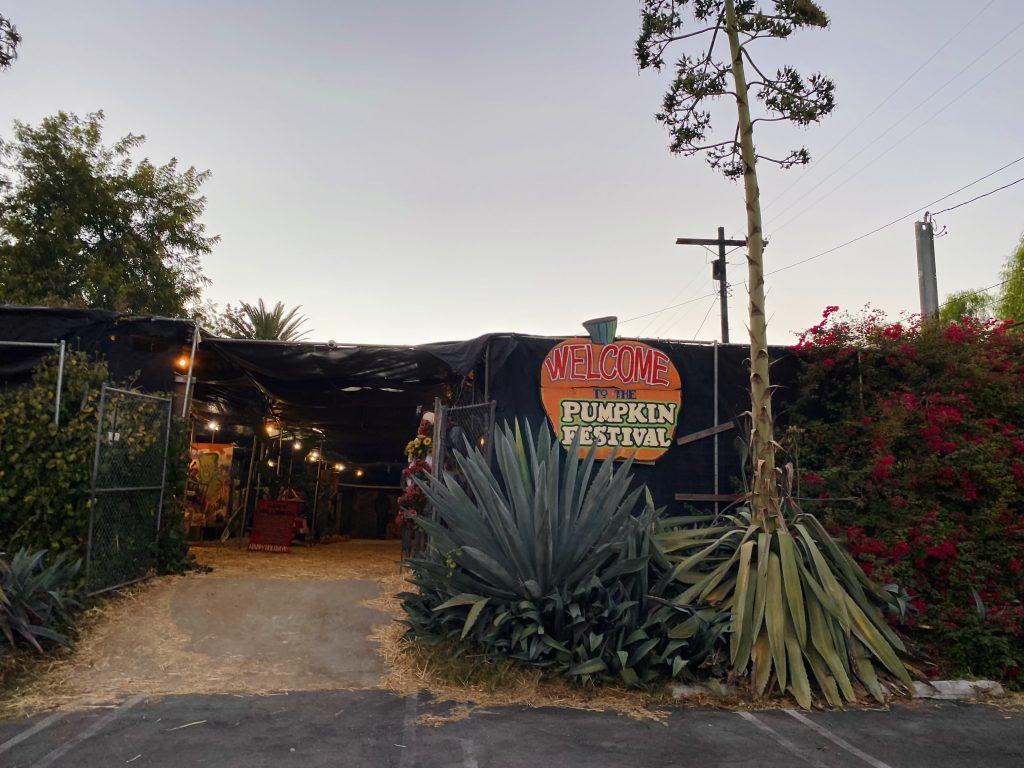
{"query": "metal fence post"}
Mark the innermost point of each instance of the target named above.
(188, 381)
(60, 381)
(163, 471)
(95, 475)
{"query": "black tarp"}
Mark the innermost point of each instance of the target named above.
(139, 350)
(514, 362)
(365, 398)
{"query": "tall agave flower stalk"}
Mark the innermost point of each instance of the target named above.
(802, 611)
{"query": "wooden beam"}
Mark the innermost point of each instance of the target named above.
(695, 436)
(708, 497)
(708, 241)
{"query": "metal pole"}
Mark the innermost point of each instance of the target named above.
(316, 490)
(95, 475)
(248, 484)
(927, 284)
(191, 363)
(715, 386)
(163, 471)
(60, 382)
(723, 286)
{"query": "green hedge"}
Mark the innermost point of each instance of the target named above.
(46, 470)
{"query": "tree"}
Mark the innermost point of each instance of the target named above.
(961, 304)
(785, 96)
(249, 321)
(82, 224)
(1011, 296)
(9, 41)
(799, 608)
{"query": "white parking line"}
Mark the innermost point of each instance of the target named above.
(407, 757)
(837, 740)
(28, 733)
(782, 741)
(468, 754)
(52, 757)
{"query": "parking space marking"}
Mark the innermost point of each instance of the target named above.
(839, 741)
(782, 741)
(468, 754)
(28, 733)
(407, 757)
(52, 757)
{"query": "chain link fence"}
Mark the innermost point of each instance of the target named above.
(461, 427)
(129, 470)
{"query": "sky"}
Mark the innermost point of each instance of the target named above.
(411, 171)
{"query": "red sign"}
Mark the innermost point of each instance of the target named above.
(623, 397)
(274, 524)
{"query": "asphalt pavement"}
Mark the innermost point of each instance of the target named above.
(376, 728)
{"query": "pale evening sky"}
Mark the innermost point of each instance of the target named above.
(413, 171)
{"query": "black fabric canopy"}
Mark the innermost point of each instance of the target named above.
(364, 400)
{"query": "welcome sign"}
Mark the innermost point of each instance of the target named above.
(623, 397)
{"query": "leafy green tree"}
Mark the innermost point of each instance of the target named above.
(786, 95)
(9, 41)
(961, 304)
(256, 321)
(83, 224)
(1011, 297)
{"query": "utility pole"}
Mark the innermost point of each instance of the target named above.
(925, 236)
(718, 271)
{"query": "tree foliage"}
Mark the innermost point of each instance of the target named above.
(961, 304)
(257, 321)
(9, 42)
(699, 79)
(1011, 295)
(83, 224)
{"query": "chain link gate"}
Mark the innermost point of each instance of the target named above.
(129, 470)
(455, 426)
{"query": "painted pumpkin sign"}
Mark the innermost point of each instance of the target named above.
(623, 397)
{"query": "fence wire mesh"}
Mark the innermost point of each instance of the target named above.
(461, 428)
(129, 468)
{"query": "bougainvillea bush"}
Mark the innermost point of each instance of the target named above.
(910, 439)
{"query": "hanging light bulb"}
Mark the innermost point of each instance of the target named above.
(359, 473)
(314, 455)
(271, 463)
(181, 363)
(297, 445)
(339, 467)
(213, 426)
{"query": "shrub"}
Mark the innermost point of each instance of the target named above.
(46, 469)
(921, 427)
(546, 561)
(36, 599)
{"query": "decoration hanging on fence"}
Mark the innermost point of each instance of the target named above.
(413, 502)
(623, 397)
(209, 484)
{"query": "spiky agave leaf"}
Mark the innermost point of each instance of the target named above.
(543, 558)
(801, 610)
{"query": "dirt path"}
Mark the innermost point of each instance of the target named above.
(257, 623)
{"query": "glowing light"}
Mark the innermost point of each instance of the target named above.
(359, 473)
(297, 445)
(339, 467)
(271, 462)
(213, 426)
(182, 362)
(314, 456)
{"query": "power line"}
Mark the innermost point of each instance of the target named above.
(907, 215)
(885, 101)
(980, 290)
(893, 146)
(706, 316)
(874, 231)
(979, 197)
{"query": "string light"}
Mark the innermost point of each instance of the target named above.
(339, 467)
(182, 362)
(213, 426)
(359, 473)
(297, 445)
(271, 463)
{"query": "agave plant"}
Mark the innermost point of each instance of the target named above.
(544, 561)
(36, 598)
(800, 607)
